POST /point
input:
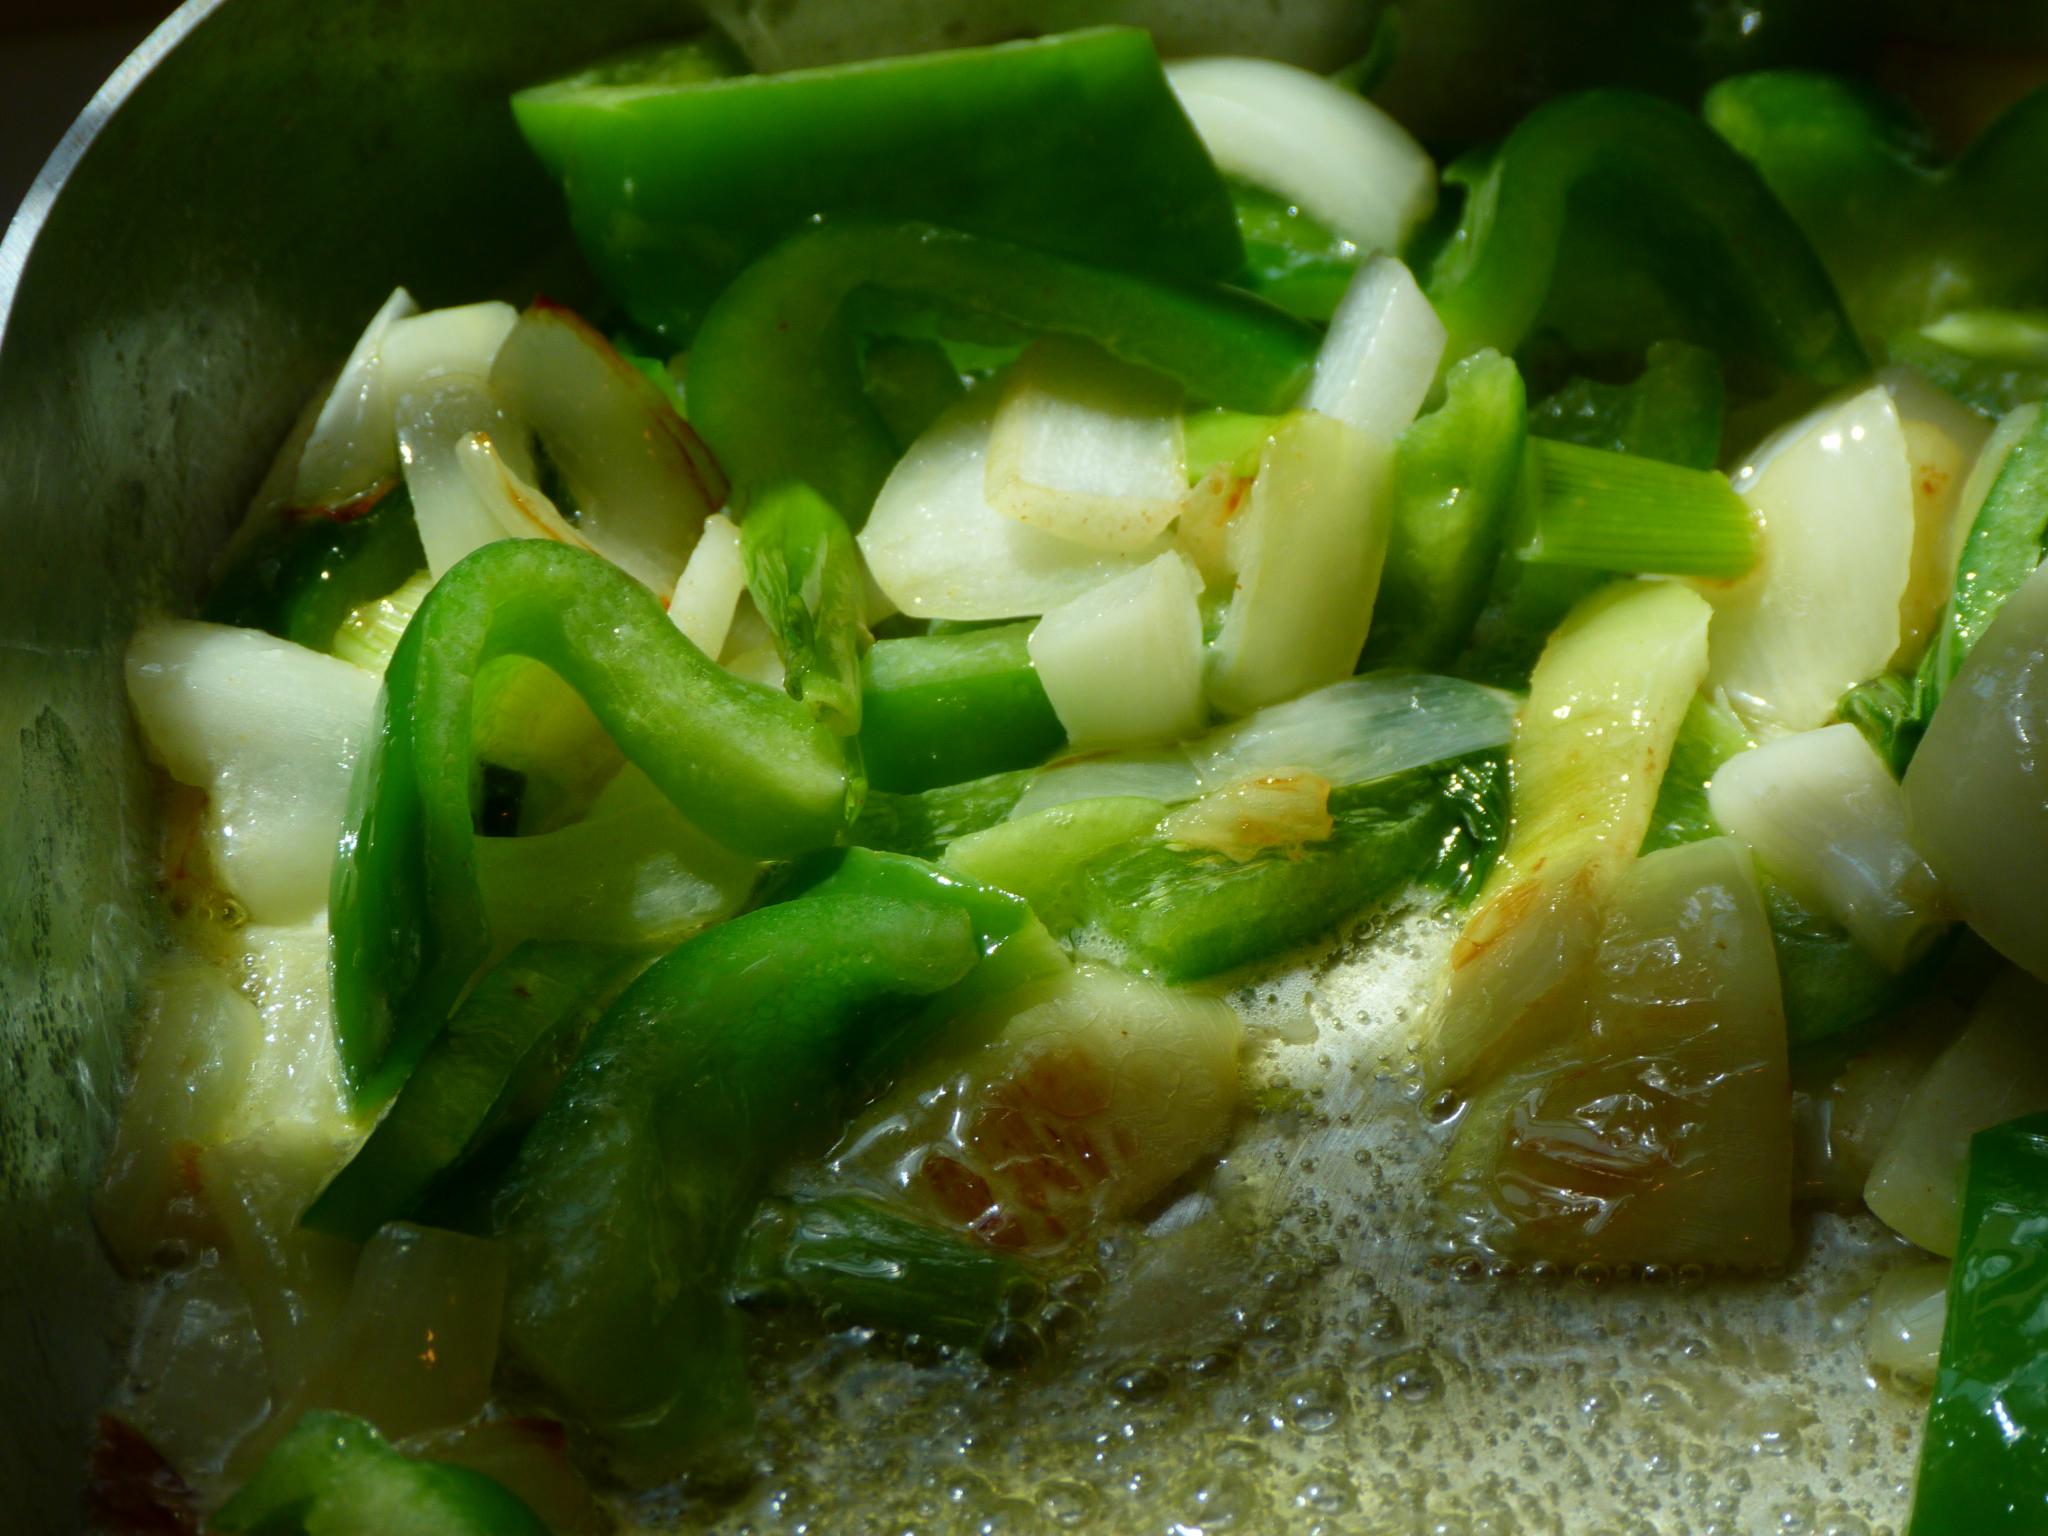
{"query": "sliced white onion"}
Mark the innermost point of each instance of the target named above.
(1381, 354)
(1284, 809)
(1123, 663)
(1086, 447)
(458, 508)
(1362, 728)
(1908, 1311)
(349, 449)
(270, 730)
(1309, 139)
(1308, 551)
(1823, 812)
(642, 481)
(1944, 440)
(1821, 610)
(708, 592)
(1165, 775)
(464, 340)
(1977, 790)
(938, 550)
(1995, 1071)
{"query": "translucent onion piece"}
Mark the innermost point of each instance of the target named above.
(1314, 142)
(1821, 610)
(521, 508)
(457, 508)
(270, 730)
(461, 340)
(1380, 358)
(1907, 1312)
(1282, 809)
(414, 1347)
(1977, 790)
(1362, 728)
(1660, 1132)
(642, 482)
(708, 593)
(1202, 530)
(1944, 441)
(371, 632)
(1092, 1093)
(350, 449)
(1605, 702)
(1087, 447)
(1123, 663)
(196, 1344)
(1165, 775)
(938, 550)
(1852, 1117)
(295, 1080)
(1994, 1071)
(198, 1037)
(1826, 817)
(1308, 551)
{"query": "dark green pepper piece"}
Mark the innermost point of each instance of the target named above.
(1074, 144)
(806, 580)
(334, 1473)
(922, 824)
(310, 572)
(942, 709)
(409, 933)
(775, 379)
(1984, 1457)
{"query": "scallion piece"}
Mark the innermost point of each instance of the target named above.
(1618, 512)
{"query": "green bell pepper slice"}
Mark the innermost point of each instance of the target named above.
(1984, 1457)
(1182, 914)
(1619, 220)
(1074, 144)
(623, 1209)
(942, 709)
(1456, 476)
(924, 823)
(1290, 257)
(489, 1073)
(1908, 239)
(334, 1475)
(753, 768)
(306, 575)
(805, 578)
(861, 1263)
(775, 376)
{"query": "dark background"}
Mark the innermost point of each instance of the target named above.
(53, 56)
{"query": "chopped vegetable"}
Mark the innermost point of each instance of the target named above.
(677, 183)
(1903, 1335)
(940, 709)
(1620, 512)
(805, 579)
(1381, 355)
(1654, 1127)
(1994, 360)
(1821, 611)
(1826, 817)
(1149, 620)
(1284, 810)
(1039, 856)
(1982, 1468)
(708, 593)
(1308, 551)
(409, 922)
(1604, 708)
(1993, 1071)
(1670, 413)
(1975, 794)
(301, 581)
(350, 449)
(775, 384)
(1324, 148)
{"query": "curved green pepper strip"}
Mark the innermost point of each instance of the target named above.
(805, 577)
(334, 1472)
(624, 1207)
(1621, 220)
(305, 576)
(1907, 239)
(1984, 1457)
(775, 376)
(752, 768)
(943, 709)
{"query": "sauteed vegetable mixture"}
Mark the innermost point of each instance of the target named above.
(744, 814)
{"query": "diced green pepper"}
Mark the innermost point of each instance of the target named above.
(859, 1262)
(334, 1473)
(408, 915)
(1291, 258)
(1040, 856)
(490, 1072)
(923, 824)
(1907, 239)
(1618, 220)
(1455, 477)
(1185, 913)
(775, 380)
(302, 579)
(1984, 1457)
(1074, 144)
(805, 578)
(941, 709)
(622, 1211)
